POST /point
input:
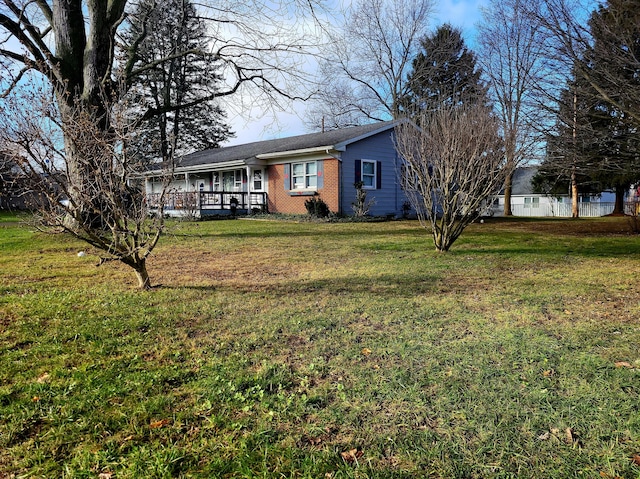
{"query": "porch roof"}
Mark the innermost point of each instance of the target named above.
(256, 152)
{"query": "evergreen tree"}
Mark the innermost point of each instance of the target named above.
(174, 89)
(444, 73)
(614, 62)
(596, 139)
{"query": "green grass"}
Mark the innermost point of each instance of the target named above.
(272, 349)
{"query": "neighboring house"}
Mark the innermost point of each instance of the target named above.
(280, 175)
(525, 202)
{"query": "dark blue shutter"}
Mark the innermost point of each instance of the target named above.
(378, 175)
(287, 176)
(358, 172)
(320, 173)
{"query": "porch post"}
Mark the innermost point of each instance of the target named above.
(248, 190)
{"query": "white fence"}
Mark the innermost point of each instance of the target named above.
(563, 209)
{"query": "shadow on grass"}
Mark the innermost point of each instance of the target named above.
(388, 286)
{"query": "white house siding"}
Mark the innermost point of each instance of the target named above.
(546, 206)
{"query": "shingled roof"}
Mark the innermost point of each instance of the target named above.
(521, 184)
(250, 151)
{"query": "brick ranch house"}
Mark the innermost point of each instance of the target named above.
(279, 175)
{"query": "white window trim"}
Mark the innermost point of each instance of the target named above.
(375, 174)
(305, 175)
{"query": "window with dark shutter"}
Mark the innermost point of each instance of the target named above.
(369, 173)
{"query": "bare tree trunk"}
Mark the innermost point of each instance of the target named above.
(507, 195)
(618, 208)
(575, 209)
(144, 282)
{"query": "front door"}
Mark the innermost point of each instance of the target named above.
(228, 180)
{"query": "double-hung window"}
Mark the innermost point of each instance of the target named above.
(304, 175)
(368, 174)
(532, 202)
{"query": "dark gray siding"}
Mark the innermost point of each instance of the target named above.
(389, 198)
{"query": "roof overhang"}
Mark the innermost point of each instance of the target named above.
(303, 152)
(206, 167)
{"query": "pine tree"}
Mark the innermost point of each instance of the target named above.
(179, 91)
(596, 140)
(444, 73)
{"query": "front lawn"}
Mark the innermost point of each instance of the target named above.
(311, 350)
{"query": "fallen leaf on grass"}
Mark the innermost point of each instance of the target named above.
(157, 424)
(105, 475)
(43, 378)
(570, 435)
(352, 455)
(548, 373)
(366, 351)
(35, 398)
(607, 476)
(636, 459)
(623, 364)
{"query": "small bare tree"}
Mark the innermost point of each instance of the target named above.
(109, 212)
(361, 206)
(78, 51)
(453, 164)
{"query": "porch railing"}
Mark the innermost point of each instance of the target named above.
(202, 201)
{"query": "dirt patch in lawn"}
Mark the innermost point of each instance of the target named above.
(607, 226)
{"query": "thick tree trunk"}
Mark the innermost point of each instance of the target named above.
(507, 195)
(618, 208)
(144, 282)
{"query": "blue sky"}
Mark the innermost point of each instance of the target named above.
(464, 14)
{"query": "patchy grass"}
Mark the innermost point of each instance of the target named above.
(281, 349)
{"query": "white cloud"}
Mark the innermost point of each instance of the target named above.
(464, 14)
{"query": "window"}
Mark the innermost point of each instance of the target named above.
(257, 180)
(227, 180)
(304, 175)
(368, 174)
(532, 202)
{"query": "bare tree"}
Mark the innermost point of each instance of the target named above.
(512, 54)
(453, 164)
(71, 46)
(365, 73)
(109, 211)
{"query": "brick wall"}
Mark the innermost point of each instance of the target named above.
(280, 201)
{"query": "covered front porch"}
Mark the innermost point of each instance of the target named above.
(225, 190)
(201, 204)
